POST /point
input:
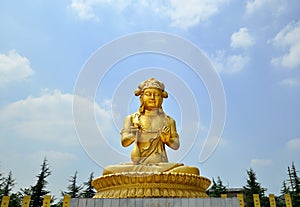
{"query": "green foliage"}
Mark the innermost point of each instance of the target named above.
(280, 201)
(39, 189)
(294, 181)
(217, 188)
(1, 182)
(284, 189)
(254, 187)
(37, 192)
(59, 203)
(15, 200)
(8, 184)
(89, 191)
(25, 191)
(73, 188)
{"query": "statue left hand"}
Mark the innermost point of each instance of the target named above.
(165, 134)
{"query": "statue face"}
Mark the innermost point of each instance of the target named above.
(152, 98)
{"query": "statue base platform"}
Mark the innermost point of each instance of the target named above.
(149, 185)
(154, 202)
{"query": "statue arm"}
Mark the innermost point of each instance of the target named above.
(170, 136)
(174, 138)
(127, 134)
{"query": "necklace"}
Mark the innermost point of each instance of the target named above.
(152, 123)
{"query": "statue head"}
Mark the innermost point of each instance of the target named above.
(151, 94)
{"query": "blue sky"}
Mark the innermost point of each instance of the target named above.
(253, 45)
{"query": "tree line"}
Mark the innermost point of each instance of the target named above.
(39, 189)
(291, 185)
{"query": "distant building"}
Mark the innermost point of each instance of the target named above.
(232, 192)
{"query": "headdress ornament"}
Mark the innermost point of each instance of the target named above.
(150, 83)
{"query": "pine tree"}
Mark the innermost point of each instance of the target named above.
(26, 191)
(55, 203)
(295, 179)
(291, 179)
(213, 189)
(296, 186)
(59, 203)
(38, 190)
(1, 183)
(284, 189)
(217, 188)
(253, 187)
(15, 200)
(8, 184)
(89, 191)
(280, 201)
(73, 188)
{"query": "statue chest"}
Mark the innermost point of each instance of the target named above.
(152, 124)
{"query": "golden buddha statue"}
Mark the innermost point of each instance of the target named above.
(150, 130)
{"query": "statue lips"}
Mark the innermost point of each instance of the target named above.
(152, 102)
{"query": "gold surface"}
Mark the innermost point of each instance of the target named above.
(139, 185)
(150, 174)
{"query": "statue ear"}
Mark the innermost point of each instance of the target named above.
(137, 92)
(164, 94)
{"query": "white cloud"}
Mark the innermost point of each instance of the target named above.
(47, 121)
(231, 63)
(260, 162)
(254, 5)
(274, 7)
(236, 62)
(14, 67)
(241, 39)
(290, 82)
(48, 118)
(85, 9)
(38, 127)
(44, 118)
(183, 14)
(288, 39)
(293, 144)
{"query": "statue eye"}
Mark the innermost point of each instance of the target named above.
(148, 94)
